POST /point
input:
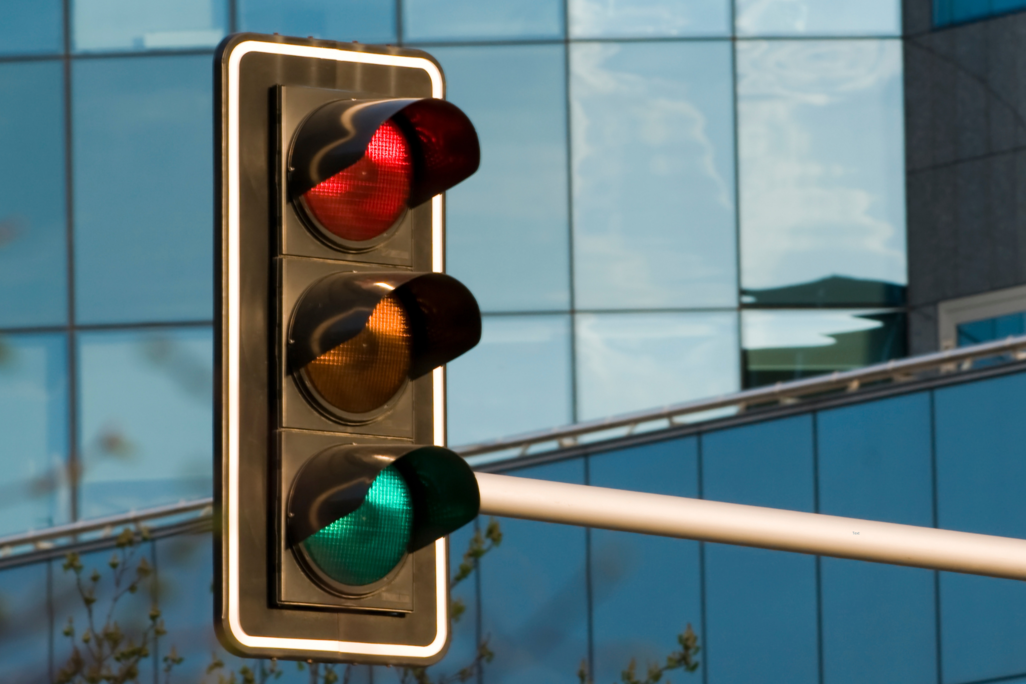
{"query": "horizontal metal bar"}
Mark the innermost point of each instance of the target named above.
(898, 369)
(86, 526)
(767, 528)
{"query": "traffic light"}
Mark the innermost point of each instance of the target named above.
(334, 489)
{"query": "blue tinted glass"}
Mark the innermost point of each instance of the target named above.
(980, 471)
(145, 418)
(147, 24)
(760, 605)
(878, 623)
(24, 625)
(643, 18)
(821, 149)
(818, 17)
(878, 620)
(875, 461)
(143, 207)
(426, 20)
(507, 225)
(516, 380)
(956, 11)
(345, 20)
(33, 432)
(32, 28)
(786, 345)
(533, 595)
(634, 361)
(33, 234)
(997, 328)
(645, 590)
(653, 185)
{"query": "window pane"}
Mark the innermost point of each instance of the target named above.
(145, 418)
(147, 24)
(821, 146)
(33, 233)
(760, 605)
(947, 12)
(533, 595)
(341, 20)
(629, 362)
(980, 471)
(32, 28)
(644, 18)
(875, 462)
(33, 432)
(976, 332)
(786, 345)
(645, 590)
(507, 232)
(653, 186)
(439, 20)
(25, 624)
(516, 380)
(818, 17)
(143, 207)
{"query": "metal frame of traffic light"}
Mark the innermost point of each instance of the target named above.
(287, 463)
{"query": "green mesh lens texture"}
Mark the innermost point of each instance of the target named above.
(365, 545)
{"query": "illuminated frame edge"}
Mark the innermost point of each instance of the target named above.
(438, 375)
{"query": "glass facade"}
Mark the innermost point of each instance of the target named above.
(676, 200)
(551, 597)
(663, 185)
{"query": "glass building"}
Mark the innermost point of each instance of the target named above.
(677, 199)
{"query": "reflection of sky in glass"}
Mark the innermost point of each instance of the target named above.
(818, 17)
(645, 589)
(32, 27)
(33, 271)
(760, 603)
(517, 379)
(33, 432)
(822, 161)
(634, 361)
(878, 620)
(653, 186)
(145, 417)
(980, 433)
(143, 206)
(507, 225)
(147, 24)
(425, 20)
(775, 329)
(534, 595)
(342, 20)
(648, 18)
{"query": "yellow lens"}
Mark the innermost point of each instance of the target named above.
(366, 371)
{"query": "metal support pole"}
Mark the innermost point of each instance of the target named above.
(767, 528)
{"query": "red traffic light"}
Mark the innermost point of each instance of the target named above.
(356, 166)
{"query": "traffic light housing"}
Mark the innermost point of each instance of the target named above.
(334, 490)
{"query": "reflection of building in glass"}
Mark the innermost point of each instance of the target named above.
(677, 199)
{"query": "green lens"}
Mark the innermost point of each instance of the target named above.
(364, 546)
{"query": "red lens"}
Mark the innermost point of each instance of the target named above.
(364, 200)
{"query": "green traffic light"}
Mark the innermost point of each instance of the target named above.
(364, 546)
